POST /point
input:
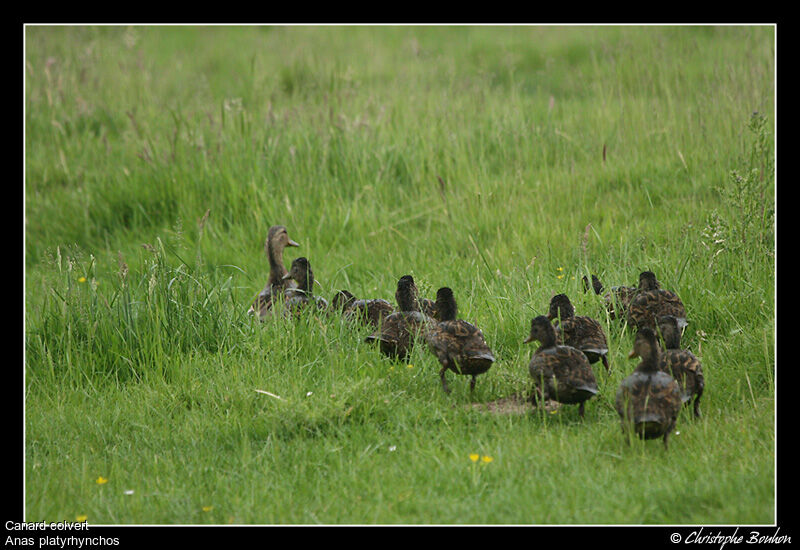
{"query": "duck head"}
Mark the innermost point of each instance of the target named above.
(670, 331)
(645, 346)
(446, 308)
(277, 240)
(342, 300)
(542, 331)
(560, 308)
(406, 294)
(301, 272)
(648, 281)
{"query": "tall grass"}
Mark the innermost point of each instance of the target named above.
(504, 162)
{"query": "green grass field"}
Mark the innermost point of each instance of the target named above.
(504, 162)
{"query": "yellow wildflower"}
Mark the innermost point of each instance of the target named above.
(487, 459)
(82, 517)
(101, 480)
(474, 457)
(81, 279)
(410, 366)
(207, 508)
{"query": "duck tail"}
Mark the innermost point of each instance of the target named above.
(486, 355)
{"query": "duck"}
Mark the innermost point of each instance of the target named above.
(428, 307)
(581, 332)
(648, 400)
(370, 312)
(277, 240)
(652, 301)
(342, 301)
(458, 345)
(681, 363)
(303, 295)
(616, 301)
(399, 330)
(560, 372)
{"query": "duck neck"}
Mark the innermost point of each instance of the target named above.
(446, 310)
(407, 300)
(306, 283)
(649, 361)
(276, 268)
(548, 339)
(672, 340)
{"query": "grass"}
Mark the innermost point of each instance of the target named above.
(504, 162)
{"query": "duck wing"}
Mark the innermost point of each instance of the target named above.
(583, 333)
(652, 304)
(686, 369)
(460, 342)
(398, 331)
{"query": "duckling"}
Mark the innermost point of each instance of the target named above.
(458, 345)
(277, 284)
(652, 301)
(561, 373)
(342, 301)
(371, 312)
(428, 307)
(399, 330)
(617, 301)
(302, 296)
(581, 332)
(681, 363)
(648, 401)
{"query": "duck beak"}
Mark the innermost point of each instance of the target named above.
(292, 243)
(528, 340)
(287, 276)
(633, 354)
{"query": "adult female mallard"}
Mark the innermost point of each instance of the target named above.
(581, 332)
(652, 302)
(277, 283)
(649, 400)
(561, 373)
(302, 296)
(681, 363)
(399, 330)
(458, 345)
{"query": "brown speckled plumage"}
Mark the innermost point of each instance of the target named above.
(301, 297)
(652, 301)
(369, 312)
(277, 284)
(428, 307)
(398, 331)
(649, 400)
(581, 332)
(372, 312)
(681, 363)
(561, 373)
(458, 345)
